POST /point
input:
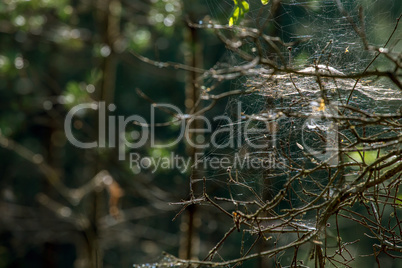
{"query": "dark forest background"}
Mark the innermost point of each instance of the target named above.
(62, 206)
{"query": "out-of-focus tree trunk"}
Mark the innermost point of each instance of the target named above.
(189, 242)
(108, 18)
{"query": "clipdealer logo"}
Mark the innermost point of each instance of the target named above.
(242, 132)
(112, 128)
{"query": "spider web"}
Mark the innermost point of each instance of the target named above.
(267, 116)
(326, 43)
(320, 21)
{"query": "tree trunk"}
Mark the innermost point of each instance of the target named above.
(189, 244)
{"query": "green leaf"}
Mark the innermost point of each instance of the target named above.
(368, 156)
(241, 7)
(264, 2)
(398, 201)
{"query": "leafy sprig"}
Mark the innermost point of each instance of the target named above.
(241, 7)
